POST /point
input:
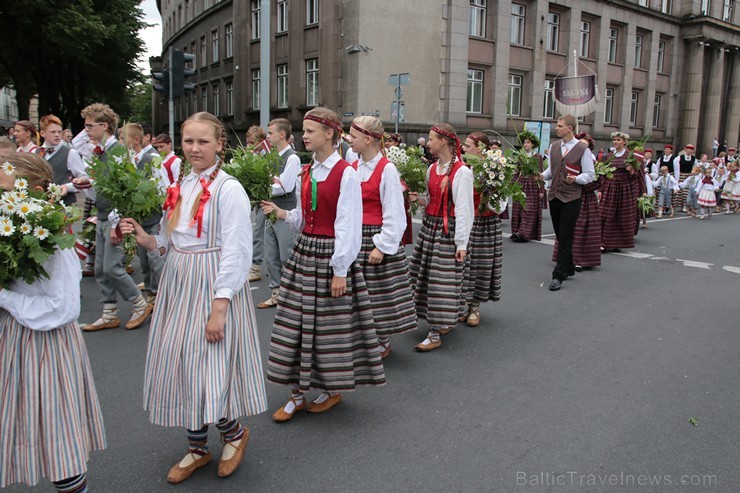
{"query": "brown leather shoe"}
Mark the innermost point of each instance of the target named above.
(474, 318)
(227, 467)
(281, 415)
(386, 351)
(130, 269)
(135, 323)
(332, 401)
(179, 474)
(464, 318)
(100, 324)
(445, 331)
(425, 348)
(271, 302)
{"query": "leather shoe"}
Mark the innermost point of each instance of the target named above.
(101, 324)
(135, 323)
(385, 350)
(328, 403)
(425, 348)
(555, 285)
(281, 415)
(227, 467)
(179, 474)
(474, 318)
(445, 331)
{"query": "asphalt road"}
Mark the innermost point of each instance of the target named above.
(591, 388)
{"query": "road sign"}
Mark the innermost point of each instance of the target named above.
(348, 113)
(399, 79)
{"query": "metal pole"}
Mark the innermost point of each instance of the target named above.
(398, 101)
(265, 38)
(171, 103)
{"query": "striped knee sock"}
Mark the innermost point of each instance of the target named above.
(198, 441)
(231, 431)
(75, 484)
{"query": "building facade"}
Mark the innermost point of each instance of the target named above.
(665, 68)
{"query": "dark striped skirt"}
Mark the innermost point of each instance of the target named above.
(485, 253)
(618, 210)
(389, 286)
(50, 416)
(436, 277)
(679, 197)
(320, 342)
(587, 237)
(189, 381)
(527, 221)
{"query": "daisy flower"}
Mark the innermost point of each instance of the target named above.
(26, 229)
(6, 227)
(24, 208)
(40, 232)
(8, 207)
(8, 168)
(19, 195)
(21, 183)
(55, 192)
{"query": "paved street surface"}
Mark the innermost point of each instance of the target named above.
(588, 389)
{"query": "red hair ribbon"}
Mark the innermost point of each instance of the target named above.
(173, 193)
(333, 125)
(204, 196)
(369, 133)
(452, 136)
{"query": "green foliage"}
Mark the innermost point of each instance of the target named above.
(255, 172)
(602, 168)
(645, 205)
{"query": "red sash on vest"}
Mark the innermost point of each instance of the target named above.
(168, 167)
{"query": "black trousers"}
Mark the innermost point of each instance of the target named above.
(564, 217)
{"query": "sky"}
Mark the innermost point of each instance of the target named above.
(152, 36)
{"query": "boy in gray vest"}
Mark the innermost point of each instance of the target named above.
(66, 163)
(279, 237)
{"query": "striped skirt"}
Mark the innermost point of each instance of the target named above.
(486, 253)
(436, 277)
(318, 341)
(587, 237)
(679, 197)
(189, 381)
(618, 210)
(389, 287)
(527, 221)
(50, 417)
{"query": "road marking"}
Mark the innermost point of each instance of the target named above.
(634, 254)
(730, 268)
(253, 287)
(698, 265)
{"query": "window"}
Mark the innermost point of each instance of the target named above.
(638, 51)
(518, 13)
(255, 19)
(255, 89)
(230, 98)
(475, 91)
(229, 39)
(549, 106)
(642, 3)
(706, 5)
(187, 11)
(478, 18)
(661, 55)
(202, 54)
(214, 45)
(282, 16)
(665, 6)
(634, 103)
(727, 10)
(312, 12)
(204, 98)
(195, 101)
(282, 85)
(216, 100)
(608, 105)
(515, 95)
(583, 48)
(613, 38)
(194, 63)
(656, 111)
(553, 31)
(312, 82)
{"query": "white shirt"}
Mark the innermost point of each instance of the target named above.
(707, 186)
(691, 181)
(289, 177)
(388, 240)
(677, 166)
(462, 196)
(233, 235)
(587, 162)
(75, 165)
(30, 147)
(81, 143)
(667, 181)
(47, 303)
(348, 223)
(175, 168)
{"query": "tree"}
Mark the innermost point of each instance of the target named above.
(139, 103)
(70, 53)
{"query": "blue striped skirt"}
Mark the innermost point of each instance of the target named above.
(50, 416)
(188, 381)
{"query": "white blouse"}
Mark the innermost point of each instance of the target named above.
(348, 223)
(462, 196)
(289, 177)
(388, 240)
(233, 234)
(47, 303)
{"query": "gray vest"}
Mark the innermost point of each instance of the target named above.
(287, 201)
(559, 188)
(60, 172)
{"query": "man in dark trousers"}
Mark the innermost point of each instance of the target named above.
(571, 167)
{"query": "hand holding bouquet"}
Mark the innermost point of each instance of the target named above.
(413, 171)
(493, 177)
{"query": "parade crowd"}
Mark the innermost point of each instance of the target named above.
(333, 239)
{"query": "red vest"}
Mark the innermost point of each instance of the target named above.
(435, 206)
(372, 209)
(168, 167)
(321, 221)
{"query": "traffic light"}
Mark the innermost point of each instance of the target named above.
(161, 83)
(180, 71)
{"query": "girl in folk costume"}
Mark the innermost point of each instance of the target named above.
(690, 184)
(323, 336)
(439, 259)
(203, 361)
(587, 235)
(526, 222)
(51, 417)
(26, 137)
(171, 164)
(731, 188)
(705, 191)
(382, 258)
(483, 280)
(618, 206)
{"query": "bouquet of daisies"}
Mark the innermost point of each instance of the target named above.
(494, 177)
(33, 226)
(255, 172)
(412, 168)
